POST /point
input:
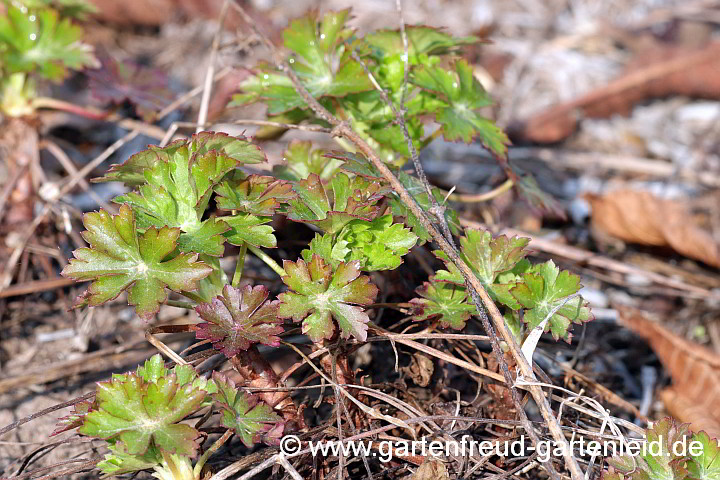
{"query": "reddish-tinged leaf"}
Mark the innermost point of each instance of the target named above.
(250, 419)
(238, 319)
(116, 82)
(487, 256)
(318, 295)
(239, 149)
(121, 259)
(330, 209)
(138, 412)
(445, 301)
(75, 418)
(257, 194)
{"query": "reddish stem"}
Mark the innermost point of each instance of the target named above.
(55, 104)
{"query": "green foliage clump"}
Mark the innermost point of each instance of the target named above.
(38, 39)
(142, 415)
(189, 200)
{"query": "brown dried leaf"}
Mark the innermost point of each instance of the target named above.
(420, 369)
(657, 72)
(431, 470)
(639, 217)
(152, 13)
(695, 371)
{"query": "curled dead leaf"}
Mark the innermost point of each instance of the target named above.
(639, 217)
(420, 369)
(695, 371)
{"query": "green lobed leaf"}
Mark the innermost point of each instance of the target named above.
(706, 465)
(38, 40)
(378, 244)
(257, 194)
(120, 258)
(663, 462)
(177, 182)
(326, 247)
(302, 161)
(238, 319)
(237, 148)
(463, 95)
(250, 419)
(119, 461)
(444, 301)
(153, 369)
(318, 294)
(357, 164)
(251, 229)
(142, 412)
(177, 192)
(486, 255)
(545, 287)
(422, 40)
(331, 209)
(391, 136)
(318, 58)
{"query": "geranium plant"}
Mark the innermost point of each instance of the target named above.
(192, 199)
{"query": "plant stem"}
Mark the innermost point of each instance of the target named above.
(213, 448)
(55, 104)
(347, 146)
(268, 261)
(180, 304)
(482, 197)
(428, 140)
(239, 265)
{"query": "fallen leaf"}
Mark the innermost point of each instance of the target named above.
(420, 369)
(657, 72)
(431, 470)
(639, 217)
(695, 371)
(144, 87)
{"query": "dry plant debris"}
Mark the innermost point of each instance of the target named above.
(639, 217)
(695, 372)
